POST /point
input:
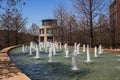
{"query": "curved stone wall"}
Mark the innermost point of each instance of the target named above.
(8, 70)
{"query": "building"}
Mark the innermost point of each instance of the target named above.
(49, 31)
(115, 13)
(115, 21)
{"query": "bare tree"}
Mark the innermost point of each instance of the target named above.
(6, 25)
(72, 28)
(60, 13)
(90, 9)
(11, 19)
(18, 24)
(102, 31)
(83, 30)
(33, 30)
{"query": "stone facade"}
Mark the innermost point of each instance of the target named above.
(115, 13)
(115, 22)
(49, 31)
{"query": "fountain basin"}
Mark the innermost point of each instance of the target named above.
(104, 68)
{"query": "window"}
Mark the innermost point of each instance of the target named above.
(50, 39)
(42, 39)
(49, 22)
(41, 31)
(44, 23)
(49, 31)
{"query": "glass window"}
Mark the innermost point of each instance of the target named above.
(50, 39)
(49, 31)
(49, 22)
(41, 31)
(42, 39)
(44, 23)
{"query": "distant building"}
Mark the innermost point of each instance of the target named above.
(115, 21)
(115, 13)
(49, 31)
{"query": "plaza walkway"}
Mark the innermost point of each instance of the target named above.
(8, 70)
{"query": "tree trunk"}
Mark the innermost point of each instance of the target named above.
(91, 25)
(8, 39)
(16, 37)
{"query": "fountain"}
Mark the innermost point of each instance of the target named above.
(54, 50)
(100, 50)
(23, 48)
(84, 48)
(31, 44)
(118, 59)
(118, 55)
(88, 55)
(30, 53)
(46, 49)
(66, 69)
(74, 61)
(37, 54)
(95, 52)
(36, 46)
(67, 54)
(60, 46)
(56, 46)
(65, 47)
(50, 56)
(75, 46)
(78, 49)
(40, 46)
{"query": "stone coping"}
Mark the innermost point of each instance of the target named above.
(8, 70)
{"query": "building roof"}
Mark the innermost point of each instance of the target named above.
(49, 20)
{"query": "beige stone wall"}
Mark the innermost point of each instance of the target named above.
(8, 70)
(45, 35)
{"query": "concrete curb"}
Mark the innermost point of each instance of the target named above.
(8, 70)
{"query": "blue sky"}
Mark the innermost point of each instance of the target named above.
(36, 10)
